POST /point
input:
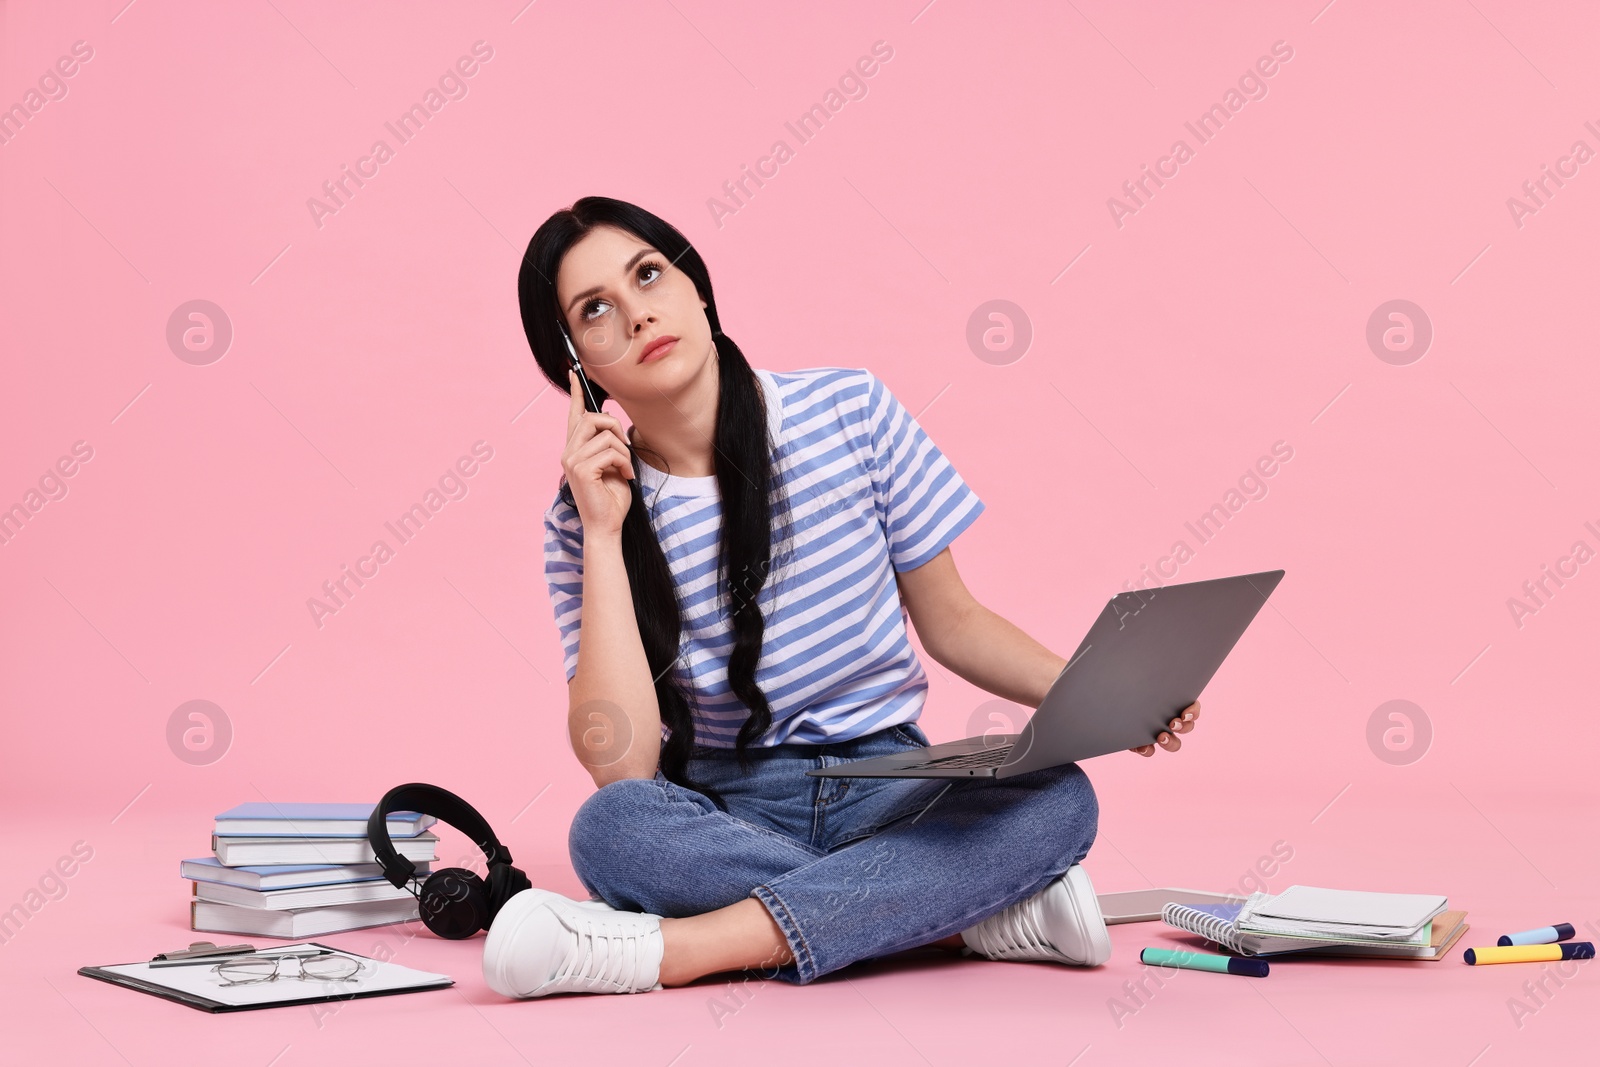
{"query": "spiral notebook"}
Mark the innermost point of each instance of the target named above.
(1216, 923)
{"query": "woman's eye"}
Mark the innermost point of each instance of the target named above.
(588, 310)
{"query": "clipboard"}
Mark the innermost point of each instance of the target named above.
(192, 986)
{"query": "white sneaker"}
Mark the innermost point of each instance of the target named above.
(1061, 923)
(542, 943)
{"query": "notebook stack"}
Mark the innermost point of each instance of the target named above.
(303, 870)
(1326, 922)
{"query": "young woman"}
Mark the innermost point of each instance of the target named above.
(737, 570)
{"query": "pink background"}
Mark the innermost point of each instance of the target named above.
(1228, 313)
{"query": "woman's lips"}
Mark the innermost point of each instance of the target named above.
(658, 350)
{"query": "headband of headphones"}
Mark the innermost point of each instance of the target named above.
(429, 800)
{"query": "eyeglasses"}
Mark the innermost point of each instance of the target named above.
(321, 967)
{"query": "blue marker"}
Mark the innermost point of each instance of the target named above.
(1545, 935)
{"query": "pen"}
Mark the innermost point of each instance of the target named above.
(583, 379)
(219, 957)
(202, 948)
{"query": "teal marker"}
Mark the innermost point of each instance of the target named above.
(1203, 961)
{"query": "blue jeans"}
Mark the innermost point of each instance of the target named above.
(849, 868)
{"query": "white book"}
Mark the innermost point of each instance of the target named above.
(222, 918)
(249, 851)
(1215, 922)
(311, 896)
(396, 827)
(284, 875)
(298, 819)
(1311, 911)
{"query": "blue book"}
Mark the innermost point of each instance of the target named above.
(269, 819)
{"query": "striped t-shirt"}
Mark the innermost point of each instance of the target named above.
(863, 492)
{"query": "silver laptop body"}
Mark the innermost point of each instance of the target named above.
(1146, 658)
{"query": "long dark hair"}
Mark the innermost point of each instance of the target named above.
(745, 469)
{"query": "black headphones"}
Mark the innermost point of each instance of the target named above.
(454, 902)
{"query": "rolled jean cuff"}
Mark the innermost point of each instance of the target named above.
(804, 967)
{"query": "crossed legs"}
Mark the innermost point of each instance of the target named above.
(735, 895)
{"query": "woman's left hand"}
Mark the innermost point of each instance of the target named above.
(1168, 738)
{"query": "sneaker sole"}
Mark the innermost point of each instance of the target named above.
(1086, 910)
(513, 915)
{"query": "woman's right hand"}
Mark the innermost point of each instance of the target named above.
(597, 463)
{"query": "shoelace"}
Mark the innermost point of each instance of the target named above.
(1011, 932)
(606, 955)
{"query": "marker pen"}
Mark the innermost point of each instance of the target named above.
(1571, 950)
(1203, 961)
(1543, 936)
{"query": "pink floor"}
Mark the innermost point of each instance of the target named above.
(922, 1008)
(1150, 368)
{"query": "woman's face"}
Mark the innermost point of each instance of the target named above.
(618, 296)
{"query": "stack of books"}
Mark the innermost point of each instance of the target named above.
(1326, 922)
(303, 870)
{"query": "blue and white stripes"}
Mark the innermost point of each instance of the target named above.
(862, 492)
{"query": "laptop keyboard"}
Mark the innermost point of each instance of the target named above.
(989, 757)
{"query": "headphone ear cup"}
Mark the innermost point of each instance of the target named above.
(505, 882)
(454, 903)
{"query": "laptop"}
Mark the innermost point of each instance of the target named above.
(1146, 658)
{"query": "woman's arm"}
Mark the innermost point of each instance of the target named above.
(985, 649)
(612, 713)
(613, 716)
(969, 639)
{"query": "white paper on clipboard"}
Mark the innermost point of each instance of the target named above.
(199, 980)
